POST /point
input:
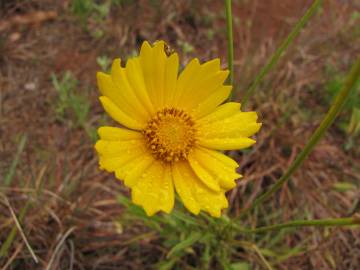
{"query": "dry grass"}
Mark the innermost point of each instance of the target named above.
(71, 206)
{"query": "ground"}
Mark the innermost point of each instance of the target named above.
(69, 210)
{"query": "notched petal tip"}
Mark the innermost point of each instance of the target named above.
(194, 61)
(98, 146)
(145, 46)
(116, 64)
(160, 43)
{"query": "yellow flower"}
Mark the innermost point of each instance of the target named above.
(173, 127)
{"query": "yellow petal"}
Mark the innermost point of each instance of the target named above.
(115, 94)
(210, 103)
(201, 88)
(202, 173)
(154, 190)
(229, 132)
(118, 115)
(241, 124)
(138, 169)
(159, 62)
(189, 73)
(135, 164)
(113, 148)
(114, 154)
(197, 82)
(113, 163)
(134, 74)
(226, 143)
(153, 61)
(116, 134)
(223, 111)
(120, 80)
(171, 74)
(218, 166)
(194, 194)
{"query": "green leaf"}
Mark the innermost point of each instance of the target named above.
(344, 186)
(188, 242)
(9, 176)
(354, 125)
(240, 266)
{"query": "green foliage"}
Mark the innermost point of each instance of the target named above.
(11, 172)
(334, 85)
(104, 62)
(206, 239)
(86, 8)
(93, 14)
(186, 47)
(350, 122)
(71, 105)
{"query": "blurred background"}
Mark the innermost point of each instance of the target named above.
(59, 211)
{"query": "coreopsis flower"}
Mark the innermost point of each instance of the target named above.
(173, 127)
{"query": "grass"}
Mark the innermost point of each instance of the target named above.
(280, 50)
(336, 107)
(73, 216)
(349, 122)
(71, 105)
(10, 174)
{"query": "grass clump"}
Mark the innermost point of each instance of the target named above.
(72, 107)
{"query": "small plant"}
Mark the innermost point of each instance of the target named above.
(209, 241)
(104, 62)
(71, 105)
(350, 122)
(186, 47)
(93, 14)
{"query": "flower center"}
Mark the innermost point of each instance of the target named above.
(170, 135)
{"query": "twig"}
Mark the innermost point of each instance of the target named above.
(277, 54)
(58, 246)
(329, 118)
(17, 223)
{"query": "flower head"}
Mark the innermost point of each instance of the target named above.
(173, 127)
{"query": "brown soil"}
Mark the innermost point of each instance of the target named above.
(78, 199)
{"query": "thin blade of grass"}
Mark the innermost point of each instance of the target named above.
(306, 223)
(9, 176)
(329, 118)
(7, 244)
(193, 238)
(18, 226)
(277, 54)
(230, 43)
(9, 240)
(58, 246)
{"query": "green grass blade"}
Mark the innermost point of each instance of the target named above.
(9, 240)
(230, 43)
(329, 118)
(277, 54)
(189, 241)
(306, 223)
(9, 176)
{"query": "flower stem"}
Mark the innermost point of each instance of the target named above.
(305, 223)
(230, 43)
(329, 118)
(277, 54)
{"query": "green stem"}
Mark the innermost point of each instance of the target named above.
(9, 240)
(305, 223)
(319, 132)
(277, 54)
(9, 176)
(230, 43)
